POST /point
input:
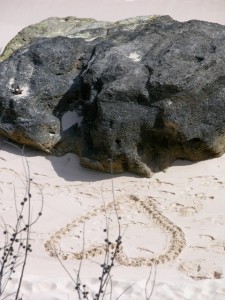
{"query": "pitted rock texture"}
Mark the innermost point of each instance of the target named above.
(141, 92)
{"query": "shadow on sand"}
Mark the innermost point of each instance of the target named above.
(67, 167)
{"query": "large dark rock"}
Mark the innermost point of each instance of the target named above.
(141, 92)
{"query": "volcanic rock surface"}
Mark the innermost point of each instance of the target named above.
(138, 93)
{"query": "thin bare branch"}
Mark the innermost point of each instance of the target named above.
(148, 296)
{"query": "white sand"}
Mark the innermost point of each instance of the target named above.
(190, 195)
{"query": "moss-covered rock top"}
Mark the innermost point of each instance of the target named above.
(71, 27)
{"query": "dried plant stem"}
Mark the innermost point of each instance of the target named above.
(17, 238)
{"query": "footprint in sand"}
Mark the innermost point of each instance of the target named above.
(219, 247)
(219, 220)
(207, 181)
(27, 286)
(208, 243)
(201, 269)
(185, 211)
(167, 192)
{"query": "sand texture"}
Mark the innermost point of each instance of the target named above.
(187, 198)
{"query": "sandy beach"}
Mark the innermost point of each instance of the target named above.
(188, 197)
